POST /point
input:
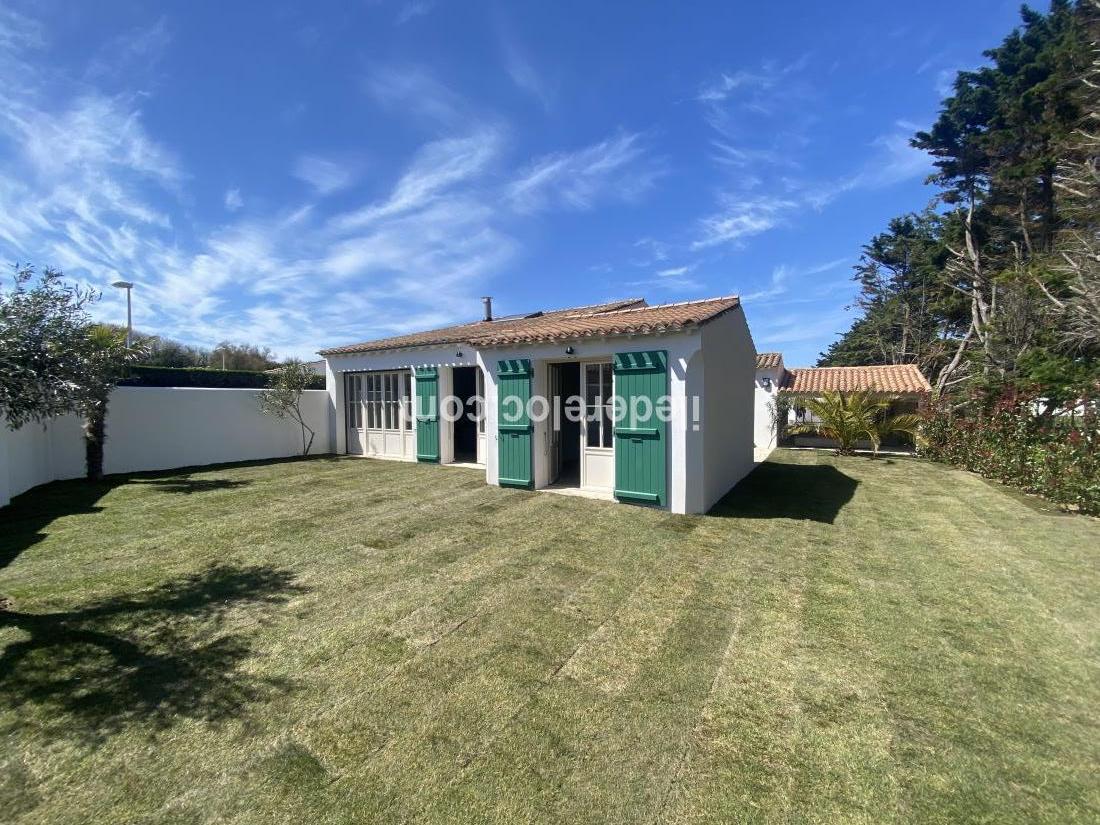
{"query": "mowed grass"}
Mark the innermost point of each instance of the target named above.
(343, 640)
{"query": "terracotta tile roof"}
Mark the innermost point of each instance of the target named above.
(769, 360)
(630, 317)
(644, 320)
(899, 378)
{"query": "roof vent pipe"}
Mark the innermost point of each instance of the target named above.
(487, 301)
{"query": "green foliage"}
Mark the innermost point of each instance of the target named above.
(1001, 289)
(848, 417)
(146, 376)
(43, 322)
(283, 397)
(906, 306)
(242, 357)
(1008, 438)
(103, 360)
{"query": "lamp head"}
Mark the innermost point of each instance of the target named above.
(122, 284)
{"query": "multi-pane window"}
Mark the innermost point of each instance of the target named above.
(354, 398)
(375, 401)
(597, 398)
(406, 404)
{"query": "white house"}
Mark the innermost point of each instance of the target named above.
(769, 379)
(664, 395)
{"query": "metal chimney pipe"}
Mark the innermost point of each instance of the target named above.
(487, 302)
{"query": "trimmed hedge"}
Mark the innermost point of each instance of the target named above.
(203, 377)
(1056, 457)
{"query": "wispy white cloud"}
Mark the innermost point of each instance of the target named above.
(233, 200)
(324, 175)
(618, 168)
(521, 70)
(740, 218)
(652, 250)
(413, 9)
(674, 271)
(437, 166)
(412, 90)
(782, 276)
(131, 56)
(90, 190)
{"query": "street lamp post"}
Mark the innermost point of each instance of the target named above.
(129, 316)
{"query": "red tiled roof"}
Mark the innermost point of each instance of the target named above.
(769, 360)
(632, 317)
(891, 378)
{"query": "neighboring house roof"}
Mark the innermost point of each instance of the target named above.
(629, 317)
(892, 378)
(769, 360)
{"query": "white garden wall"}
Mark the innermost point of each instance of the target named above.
(160, 428)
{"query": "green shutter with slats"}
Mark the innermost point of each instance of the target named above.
(427, 414)
(641, 437)
(514, 428)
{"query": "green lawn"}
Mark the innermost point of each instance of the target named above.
(342, 640)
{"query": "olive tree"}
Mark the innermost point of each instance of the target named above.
(283, 397)
(54, 361)
(43, 325)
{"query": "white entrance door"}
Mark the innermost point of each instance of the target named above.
(597, 436)
(353, 398)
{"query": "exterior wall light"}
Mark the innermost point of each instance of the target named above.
(569, 350)
(766, 383)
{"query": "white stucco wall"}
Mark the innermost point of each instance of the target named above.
(680, 346)
(729, 363)
(159, 428)
(703, 463)
(764, 434)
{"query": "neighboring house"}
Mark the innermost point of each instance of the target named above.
(698, 355)
(903, 384)
(769, 377)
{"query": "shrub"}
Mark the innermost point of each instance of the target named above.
(145, 376)
(1056, 456)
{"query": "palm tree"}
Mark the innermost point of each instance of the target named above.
(103, 362)
(848, 417)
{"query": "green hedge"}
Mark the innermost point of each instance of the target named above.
(1055, 456)
(203, 377)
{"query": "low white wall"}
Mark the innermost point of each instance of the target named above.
(160, 428)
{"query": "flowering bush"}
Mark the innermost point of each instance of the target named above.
(1011, 439)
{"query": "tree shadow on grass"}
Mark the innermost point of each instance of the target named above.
(814, 492)
(22, 523)
(149, 660)
(188, 485)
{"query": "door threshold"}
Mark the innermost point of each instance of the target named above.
(465, 465)
(581, 492)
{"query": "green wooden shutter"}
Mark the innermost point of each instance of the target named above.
(515, 433)
(641, 443)
(427, 414)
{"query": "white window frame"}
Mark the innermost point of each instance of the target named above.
(372, 397)
(605, 424)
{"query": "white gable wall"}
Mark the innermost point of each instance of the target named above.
(729, 361)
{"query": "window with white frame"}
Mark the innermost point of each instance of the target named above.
(597, 398)
(354, 399)
(378, 400)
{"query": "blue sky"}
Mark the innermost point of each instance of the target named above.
(302, 175)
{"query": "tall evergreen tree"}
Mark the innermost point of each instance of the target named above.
(972, 291)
